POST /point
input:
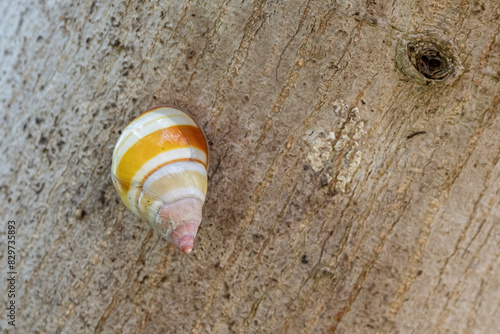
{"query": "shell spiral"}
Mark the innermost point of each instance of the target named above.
(159, 169)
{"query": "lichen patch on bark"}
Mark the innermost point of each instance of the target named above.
(337, 156)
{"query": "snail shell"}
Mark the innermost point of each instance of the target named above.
(159, 169)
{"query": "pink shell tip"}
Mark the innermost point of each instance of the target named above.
(183, 236)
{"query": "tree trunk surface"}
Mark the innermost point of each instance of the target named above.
(354, 182)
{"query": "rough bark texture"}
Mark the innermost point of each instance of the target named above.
(348, 193)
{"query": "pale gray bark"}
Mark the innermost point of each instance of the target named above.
(329, 209)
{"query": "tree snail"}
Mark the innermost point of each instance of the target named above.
(159, 170)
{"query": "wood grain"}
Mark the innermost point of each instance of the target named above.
(388, 232)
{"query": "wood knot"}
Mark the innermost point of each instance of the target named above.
(429, 60)
(426, 58)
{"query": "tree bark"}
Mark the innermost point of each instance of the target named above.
(354, 182)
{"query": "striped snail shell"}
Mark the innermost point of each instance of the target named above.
(159, 169)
